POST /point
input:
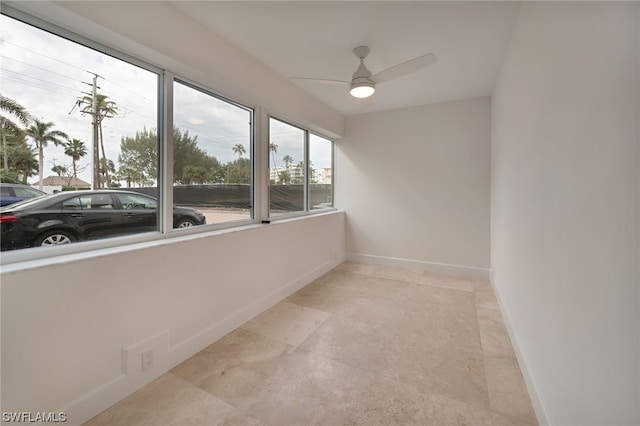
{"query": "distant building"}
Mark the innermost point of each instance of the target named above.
(52, 184)
(323, 175)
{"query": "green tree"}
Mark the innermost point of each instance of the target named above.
(138, 158)
(107, 168)
(300, 166)
(59, 170)
(284, 177)
(75, 149)
(10, 111)
(239, 171)
(273, 148)
(287, 160)
(132, 177)
(239, 150)
(42, 134)
(186, 152)
(194, 175)
(21, 159)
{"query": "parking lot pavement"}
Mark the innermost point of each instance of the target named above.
(220, 216)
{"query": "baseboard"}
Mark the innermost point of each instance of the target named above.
(536, 402)
(450, 269)
(204, 338)
(133, 378)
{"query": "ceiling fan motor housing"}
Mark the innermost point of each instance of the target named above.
(362, 85)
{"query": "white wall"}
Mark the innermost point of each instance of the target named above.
(415, 185)
(564, 207)
(64, 326)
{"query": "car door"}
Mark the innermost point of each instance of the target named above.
(93, 215)
(139, 212)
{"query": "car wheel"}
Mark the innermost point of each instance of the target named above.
(185, 223)
(54, 238)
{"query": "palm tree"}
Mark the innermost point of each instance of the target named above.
(286, 176)
(300, 167)
(287, 160)
(42, 134)
(9, 107)
(239, 149)
(105, 109)
(274, 149)
(75, 149)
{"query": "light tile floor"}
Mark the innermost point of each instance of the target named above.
(362, 345)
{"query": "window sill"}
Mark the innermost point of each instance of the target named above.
(16, 261)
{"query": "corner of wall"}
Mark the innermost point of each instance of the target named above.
(534, 395)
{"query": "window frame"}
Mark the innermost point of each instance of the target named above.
(170, 81)
(306, 202)
(333, 156)
(259, 147)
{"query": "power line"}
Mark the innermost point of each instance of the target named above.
(46, 56)
(37, 67)
(33, 78)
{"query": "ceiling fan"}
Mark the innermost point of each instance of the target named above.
(363, 83)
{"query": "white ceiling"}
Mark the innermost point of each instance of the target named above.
(315, 39)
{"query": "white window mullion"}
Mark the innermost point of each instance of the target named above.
(165, 169)
(306, 171)
(261, 164)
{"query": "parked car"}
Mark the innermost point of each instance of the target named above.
(67, 217)
(13, 192)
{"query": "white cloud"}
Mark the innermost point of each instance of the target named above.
(47, 75)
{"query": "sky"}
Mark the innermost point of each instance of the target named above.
(48, 74)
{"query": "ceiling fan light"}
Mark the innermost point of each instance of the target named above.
(362, 89)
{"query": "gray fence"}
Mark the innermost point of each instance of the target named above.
(281, 197)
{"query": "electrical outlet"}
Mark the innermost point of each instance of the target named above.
(147, 359)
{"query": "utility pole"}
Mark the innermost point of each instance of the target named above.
(95, 147)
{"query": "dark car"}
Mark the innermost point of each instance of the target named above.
(13, 192)
(84, 215)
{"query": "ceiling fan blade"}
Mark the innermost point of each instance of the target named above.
(321, 80)
(404, 68)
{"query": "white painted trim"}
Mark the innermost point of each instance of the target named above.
(206, 337)
(421, 265)
(536, 401)
(166, 357)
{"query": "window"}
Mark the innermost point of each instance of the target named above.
(136, 202)
(287, 168)
(300, 173)
(26, 192)
(93, 126)
(320, 172)
(212, 145)
(88, 129)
